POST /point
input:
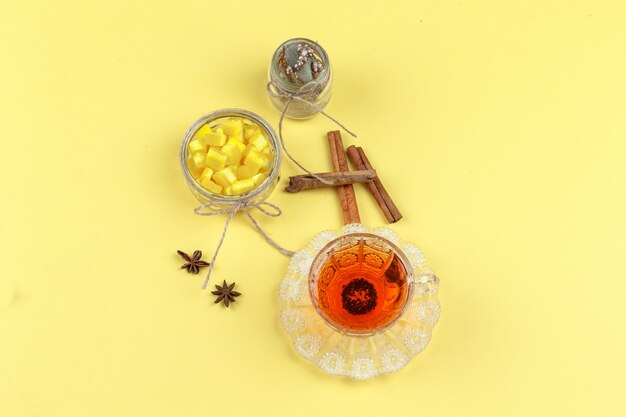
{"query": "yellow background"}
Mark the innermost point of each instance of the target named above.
(498, 127)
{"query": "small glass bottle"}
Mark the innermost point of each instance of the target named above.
(260, 192)
(316, 87)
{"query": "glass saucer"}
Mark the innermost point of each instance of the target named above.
(359, 354)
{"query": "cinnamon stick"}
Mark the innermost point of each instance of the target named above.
(378, 191)
(356, 159)
(347, 198)
(299, 183)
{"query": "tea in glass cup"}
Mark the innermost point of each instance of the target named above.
(360, 283)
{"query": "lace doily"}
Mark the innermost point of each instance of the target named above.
(359, 357)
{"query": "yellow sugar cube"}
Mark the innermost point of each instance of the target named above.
(246, 151)
(211, 186)
(237, 136)
(232, 151)
(267, 163)
(194, 171)
(228, 190)
(199, 160)
(248, 131)
(259, 141)
(200, 133)
(242, 186)
(215, 159)
(259, 178)
(196, 145)
(254, 160)
(237, 142)
(206, 174)
(243, 172)
(232, 126)
(225, 177)
(214, 139)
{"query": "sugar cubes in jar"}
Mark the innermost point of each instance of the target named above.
(230, 155)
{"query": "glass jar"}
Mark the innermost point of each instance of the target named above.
(317, 91)
(258, 193)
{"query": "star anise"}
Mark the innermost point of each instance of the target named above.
(225, 293)
(193, 263)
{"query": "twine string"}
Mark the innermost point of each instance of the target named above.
(300, 95)
(262, 232)
(232, 209)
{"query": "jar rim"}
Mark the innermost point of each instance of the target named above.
(288, 85)
(322, 255)
(218, 114)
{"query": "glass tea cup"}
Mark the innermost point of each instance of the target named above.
(360, 283)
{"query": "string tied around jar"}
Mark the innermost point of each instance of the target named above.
(231, 210)
(305, 94)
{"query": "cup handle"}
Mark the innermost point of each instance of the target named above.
(426, 278)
